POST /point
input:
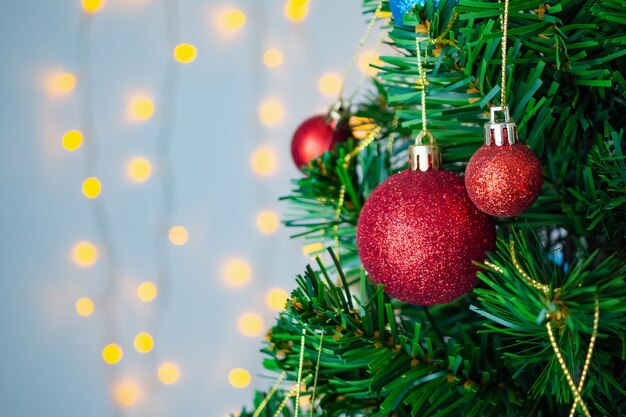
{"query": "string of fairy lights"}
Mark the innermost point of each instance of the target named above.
(128, 392)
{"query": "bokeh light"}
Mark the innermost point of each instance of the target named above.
(143, 342)
(296, 10)
(185, 53)
(276, 299)
(139, 169)
(271, 112)
(84, 253)
(273, 58)
(366, 59)
(330, 84)
(60, 83)
(178, 235)
(112, 353)
(147, 291)
(267, 222)
(126, 392)
(239, 378)
(236, 272)
(92, 6)
(84, 306)
(264, 161)
(72, 140)
(92, 187)
(168, 373)
(250, 324)
(140, 108)
(229, 21)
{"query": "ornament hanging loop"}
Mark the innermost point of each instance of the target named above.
(338, 113)
(500, 132)
(424, 157)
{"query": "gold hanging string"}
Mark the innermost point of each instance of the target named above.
(364, 143)
(300, 363)
(317, 370)
(420, 67)
(532, 282)
(394, 134)
(504, 25)
(295, 391)
(545, 289)
(359, 48)
(592, 342)
(364, 76)
(270, 394)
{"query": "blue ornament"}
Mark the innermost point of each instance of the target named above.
(401, 7)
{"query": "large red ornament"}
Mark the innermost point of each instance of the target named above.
(504, 177)
(418, 233)
(315, 136)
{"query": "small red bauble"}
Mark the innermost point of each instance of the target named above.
(504, 180)
(418, 234)
(315, 136)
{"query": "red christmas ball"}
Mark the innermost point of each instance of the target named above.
(504, 180)
(314, 137)
(418, 234)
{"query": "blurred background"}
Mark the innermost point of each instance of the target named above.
(144, 146)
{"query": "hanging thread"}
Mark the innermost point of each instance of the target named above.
(422, 75)
(359, 48)
(545, 290)
(317, 370)
(504, 25)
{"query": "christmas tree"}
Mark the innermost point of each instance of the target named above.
(543, 331)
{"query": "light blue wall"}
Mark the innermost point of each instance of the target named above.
(50, 360)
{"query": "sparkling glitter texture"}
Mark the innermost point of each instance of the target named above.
(504, 180)
(418, 234)
(314, 137)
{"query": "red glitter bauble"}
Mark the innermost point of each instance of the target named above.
(504, 180)
(314, 137)
(418, 234)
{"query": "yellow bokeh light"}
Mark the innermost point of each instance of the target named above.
(237, 272)
(250, 324)
(92, 187)
(296, 10)
(84, 253)
(230, 20)
(84, 307)
(112, 353)
(312, 248)
(273, 58)
(72, 140)
(263, 161)
(92, 6)
(61, 83)
(239, 378)
(178, 235)
(330, 84)
(139, 169)
(147, 291)
(271, 112)
(276, 299)
(367, 58)
(143, 342)
(169, 373)
(126, 392)
(140, 108)
(185, 53)
(267, 222)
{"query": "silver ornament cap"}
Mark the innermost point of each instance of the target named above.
(338, 112)
(424, 157)
(500, 132)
